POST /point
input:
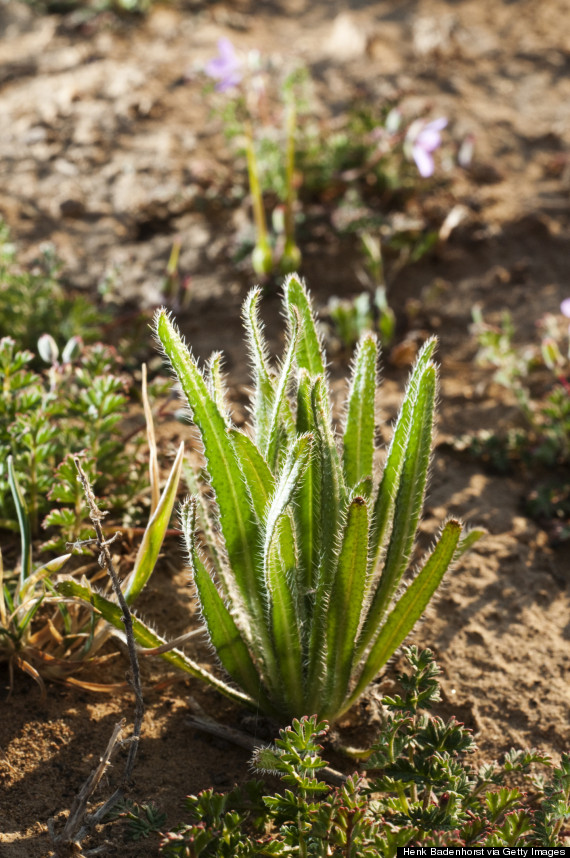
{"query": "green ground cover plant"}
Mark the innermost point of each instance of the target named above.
(301, 588)
(417, 786)
(51, 638)
(369, 311)
(34, 300)
(539, 378)
(78, 404)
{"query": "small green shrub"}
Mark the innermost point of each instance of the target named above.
(78, 404)
(418, 788)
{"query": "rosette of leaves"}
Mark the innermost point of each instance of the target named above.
(300, 588)
(302, 599)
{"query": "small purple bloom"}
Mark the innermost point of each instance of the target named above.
(565, 308)
(226, 67)
(425, 138)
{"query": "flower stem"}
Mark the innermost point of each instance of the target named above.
(291, 255)
(262, 259)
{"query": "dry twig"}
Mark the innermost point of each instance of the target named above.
(79, 824)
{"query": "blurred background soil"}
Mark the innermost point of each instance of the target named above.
(108, 150)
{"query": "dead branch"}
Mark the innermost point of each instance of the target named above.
(79, 824)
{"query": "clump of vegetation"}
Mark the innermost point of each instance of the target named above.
(60, 639)
(369, 311)
(294, 160)
(539, 378)
(301, 588)
(77, 405)
(34, 301)
(418, 787)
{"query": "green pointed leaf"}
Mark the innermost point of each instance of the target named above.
(310, 355)
(281, 424)
(216, 384)
(264, 382)
(409, 607)
(389, 484)
(333, 506)
(237, 520)
(207, 524)
(279, 551)
(285, 622)
(408, 503)
(333, 489)
(346, 602)
(307, 510)
(146, 638)
(296, 462)
(225, 635)
(358, 448)
(258, 478)
(28, 617)
(44, 571)
(153, 537)
(468, 540)
(363, 488)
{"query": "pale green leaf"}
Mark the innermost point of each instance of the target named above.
(358, 446)
(408, 503)
(409, 608)
(237, 519)
(146, 638)
(153, 536)
(389, 484)
(23, 522)
(225, 634)
(264, 382)
(310, 355)
(345, 606)
(285, 621)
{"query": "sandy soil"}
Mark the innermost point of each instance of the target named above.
(105, 151)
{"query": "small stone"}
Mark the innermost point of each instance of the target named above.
(72, 208)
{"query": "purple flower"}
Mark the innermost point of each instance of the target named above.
(565, 308)
(226, 67)
(425, 139)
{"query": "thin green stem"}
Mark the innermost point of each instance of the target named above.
(262, 253)
(291, 125)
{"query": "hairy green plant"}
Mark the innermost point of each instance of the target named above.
(420, 790)
(303, 601)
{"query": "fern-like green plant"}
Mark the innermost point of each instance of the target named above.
(300, 588)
